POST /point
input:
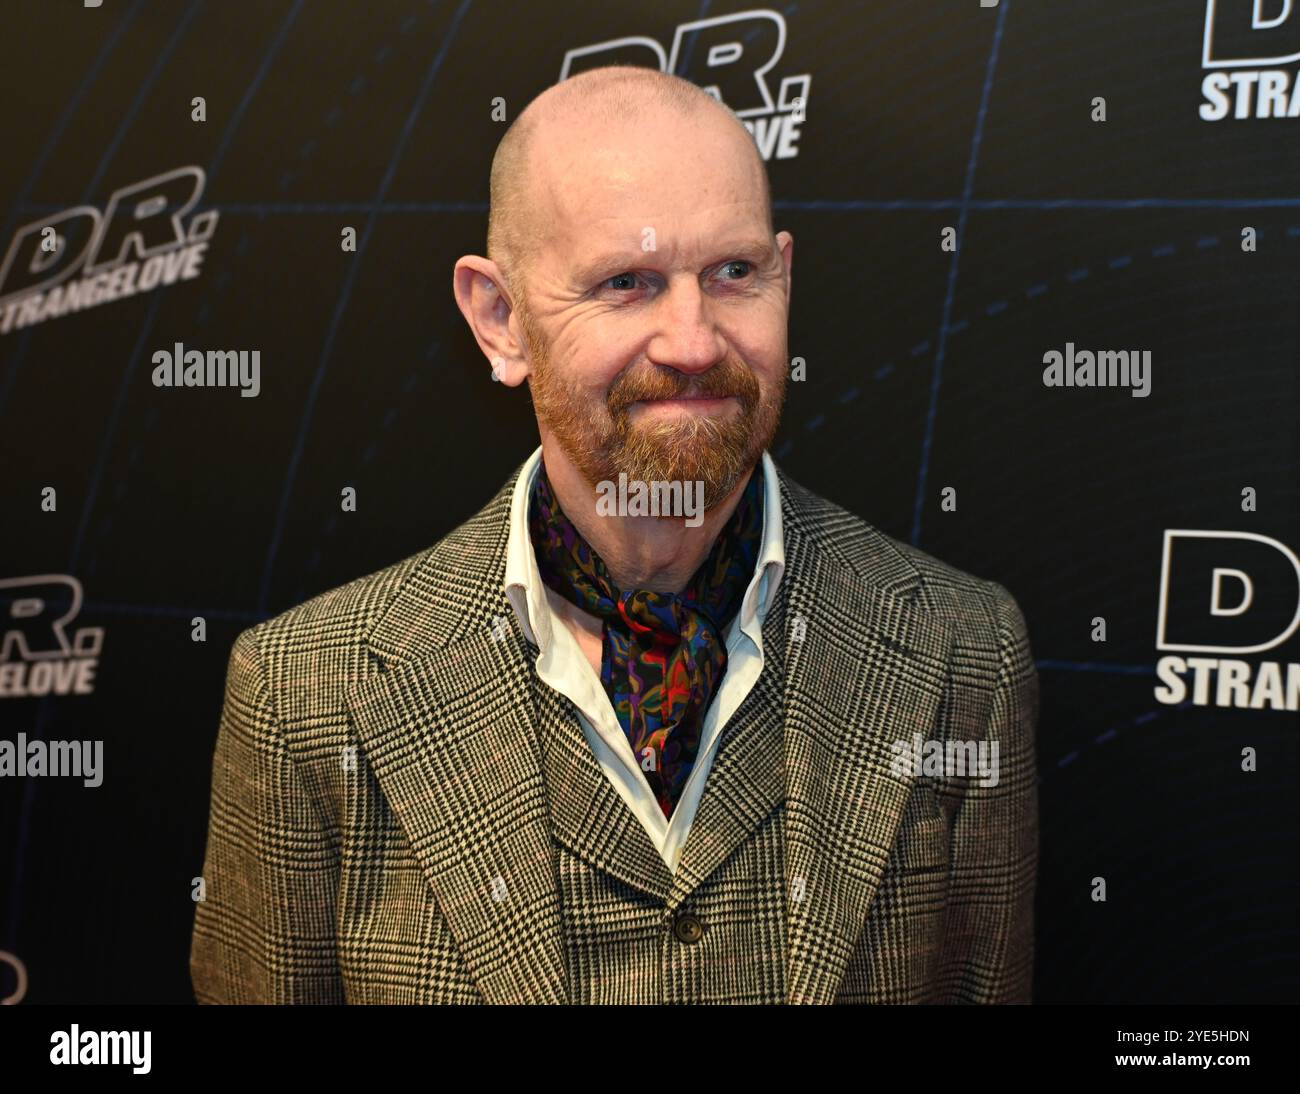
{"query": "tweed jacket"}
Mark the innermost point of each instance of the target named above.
(396, 801)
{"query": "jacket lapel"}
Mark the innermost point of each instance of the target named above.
(457, 757)
(590, 818)
(746, 781)
(868, 671)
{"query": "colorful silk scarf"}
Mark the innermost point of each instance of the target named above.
(664, 654)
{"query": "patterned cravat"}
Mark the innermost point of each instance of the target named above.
(663, 654)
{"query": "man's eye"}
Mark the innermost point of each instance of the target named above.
(629, 280)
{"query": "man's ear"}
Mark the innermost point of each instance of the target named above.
(785, 244)
(484, 301)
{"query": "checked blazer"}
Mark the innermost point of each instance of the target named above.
(402, 812)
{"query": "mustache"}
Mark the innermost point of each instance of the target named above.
(718, 382)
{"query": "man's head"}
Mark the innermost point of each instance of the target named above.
(632, 261)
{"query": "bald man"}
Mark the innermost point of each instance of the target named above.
(657, 725)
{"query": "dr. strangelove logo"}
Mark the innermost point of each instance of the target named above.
(1246, 42)
(140, 242)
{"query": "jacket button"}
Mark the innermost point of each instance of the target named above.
(688, 929)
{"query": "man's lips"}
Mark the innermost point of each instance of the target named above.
(685, 399)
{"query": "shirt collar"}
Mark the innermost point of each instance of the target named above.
(527, 594)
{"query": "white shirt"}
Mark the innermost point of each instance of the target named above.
(562, 665)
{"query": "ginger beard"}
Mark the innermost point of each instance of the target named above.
(716, 447)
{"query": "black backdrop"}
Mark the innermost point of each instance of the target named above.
(924, 372)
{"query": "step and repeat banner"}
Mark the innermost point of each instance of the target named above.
(1044, 327)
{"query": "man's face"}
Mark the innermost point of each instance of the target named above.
(656, 314)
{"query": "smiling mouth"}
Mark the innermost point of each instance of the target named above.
(685, 399)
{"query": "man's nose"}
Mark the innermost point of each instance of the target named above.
(687, 337)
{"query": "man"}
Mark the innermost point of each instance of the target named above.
(643, 729)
